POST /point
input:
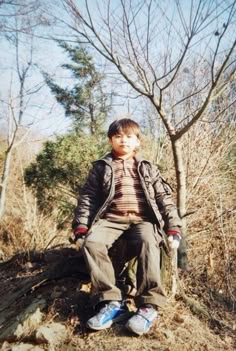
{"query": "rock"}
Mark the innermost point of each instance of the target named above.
(51, 333)
(6, 346)
(25, 347)
(178, 318)
(23, 323)
(30, 323)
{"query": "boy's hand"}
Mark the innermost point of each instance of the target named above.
(79, 233)
(174, 238)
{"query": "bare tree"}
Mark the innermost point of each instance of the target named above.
(16, 105)
(20, 23)
(30, 13)
(179, 55)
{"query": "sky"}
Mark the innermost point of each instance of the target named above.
(43, 113)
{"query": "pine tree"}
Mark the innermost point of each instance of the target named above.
(85, 102)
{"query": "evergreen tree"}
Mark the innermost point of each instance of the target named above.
(85, 102)
(59, 171)
(62, 166)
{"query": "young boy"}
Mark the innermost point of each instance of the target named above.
(124, 195)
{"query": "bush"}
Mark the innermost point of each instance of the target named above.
(60, 170)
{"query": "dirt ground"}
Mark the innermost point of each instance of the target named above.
(67, 297)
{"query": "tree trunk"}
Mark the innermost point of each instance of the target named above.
(4, 181)
(181, 199)
(19, 287)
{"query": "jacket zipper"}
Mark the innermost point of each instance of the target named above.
(107, 199)
(147, 196)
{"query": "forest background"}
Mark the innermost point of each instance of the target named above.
(69, 68)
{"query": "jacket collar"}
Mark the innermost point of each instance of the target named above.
(108, 158)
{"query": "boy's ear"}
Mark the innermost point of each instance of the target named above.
(110, 141)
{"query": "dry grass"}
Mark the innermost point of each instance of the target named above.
(211, 250)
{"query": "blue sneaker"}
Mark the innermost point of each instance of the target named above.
(143, 320)
(112, 312)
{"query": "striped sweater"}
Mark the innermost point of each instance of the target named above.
(129, 203)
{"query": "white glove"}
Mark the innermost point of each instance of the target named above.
(173, 239)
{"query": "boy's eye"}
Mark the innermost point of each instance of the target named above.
(118, 136)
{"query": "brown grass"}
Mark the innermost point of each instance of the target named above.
(211, 240)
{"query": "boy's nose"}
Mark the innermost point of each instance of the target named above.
(123, 138)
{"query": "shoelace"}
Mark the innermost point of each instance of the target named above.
(105, 310)
(142, 315)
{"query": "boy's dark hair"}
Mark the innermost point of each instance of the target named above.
(124, 125)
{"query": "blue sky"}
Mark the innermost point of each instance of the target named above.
(43, 111)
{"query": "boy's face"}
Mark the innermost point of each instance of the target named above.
(124, 144)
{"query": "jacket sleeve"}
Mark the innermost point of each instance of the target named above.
(90, 198)
(165, 202)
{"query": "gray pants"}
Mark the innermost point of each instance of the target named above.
(143, 242)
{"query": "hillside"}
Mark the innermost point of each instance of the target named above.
(49, 290)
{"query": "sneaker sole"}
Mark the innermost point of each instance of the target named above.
(135, 331)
